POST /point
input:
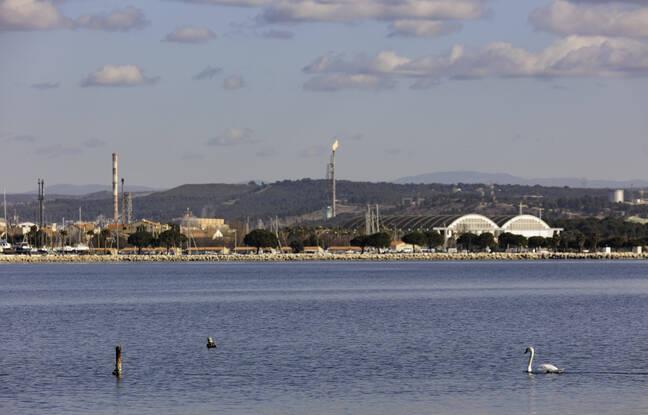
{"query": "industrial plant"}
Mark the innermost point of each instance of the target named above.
(337, 212)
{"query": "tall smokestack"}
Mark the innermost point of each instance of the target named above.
(115, 196)
(333, 147)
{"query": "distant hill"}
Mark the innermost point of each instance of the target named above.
(453, 177)
(305, 199)
(84, 189)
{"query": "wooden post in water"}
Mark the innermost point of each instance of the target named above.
(118, 366)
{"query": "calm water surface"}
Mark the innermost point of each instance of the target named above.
(324, 338)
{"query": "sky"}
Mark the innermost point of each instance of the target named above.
(207, 91)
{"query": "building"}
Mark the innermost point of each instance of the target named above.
(148, 225)
(344, 250)
(313, 250)
(617, 196)
(525, 225)
(451, 226)
(203, 223)
(400, 246)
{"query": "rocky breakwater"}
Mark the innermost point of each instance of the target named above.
(438, 256)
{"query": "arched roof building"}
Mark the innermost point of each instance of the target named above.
(453, 225)
(525, 225)
(473, 223)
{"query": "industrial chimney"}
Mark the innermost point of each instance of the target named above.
(333, 148)
(114, 189)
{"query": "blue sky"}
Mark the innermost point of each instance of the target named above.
(227, 91)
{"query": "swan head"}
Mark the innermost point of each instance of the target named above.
(528, 350)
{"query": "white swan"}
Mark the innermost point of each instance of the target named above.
(544, 368)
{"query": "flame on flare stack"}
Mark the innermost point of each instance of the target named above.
(114, 183)
(335, 145)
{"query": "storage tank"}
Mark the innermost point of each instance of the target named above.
(616, 196)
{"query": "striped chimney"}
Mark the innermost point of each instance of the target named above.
(114, 188)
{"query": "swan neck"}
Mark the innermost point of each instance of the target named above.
(530, 361)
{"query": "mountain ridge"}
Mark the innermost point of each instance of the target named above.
(476, 177)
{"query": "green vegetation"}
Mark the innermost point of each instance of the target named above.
(486, 240)
(379, 240)
(415, 238)
(467, 240)
(171, 238)
(434, 239)
(141, 239)
(260, 238)
(508, 240)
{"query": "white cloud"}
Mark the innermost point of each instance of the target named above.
(335, 82)
(207, 73)
(45, 85)
(574, 56)
(94, 143)
(292, 11)
(57, 150)
(45, 14)
(567, 18)
(313, 151)
(118, 20)
(232, 137)
(611, 1)
(423, 28)
(17, 138)
(233, 82)
(230, 2)
(278, 34)
(117, 75)
(352, 10)
(267, 152)
(31, 15)
(190, 35)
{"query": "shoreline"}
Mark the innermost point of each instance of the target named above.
(437, 256)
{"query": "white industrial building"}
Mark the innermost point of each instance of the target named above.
(525, 225)
(451, 226)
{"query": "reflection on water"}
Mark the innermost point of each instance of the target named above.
(324, 338)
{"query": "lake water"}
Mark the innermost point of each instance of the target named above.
(324, 338)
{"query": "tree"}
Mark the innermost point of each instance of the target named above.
(580, 240)
(89, 236)
(171, 237)
(537, 242)
(467, 240)
(259, 238)
(312, 240)
(141, 238)
(361, 241)
(379, 240)
(594, 239)
(555, 241)
(485, 240)
(36, 236)
(103, 237)
(296, 245)
(415, 238)
(434, 239)
(507, 239)
(63, 233)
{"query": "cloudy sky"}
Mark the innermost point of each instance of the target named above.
(195, 91)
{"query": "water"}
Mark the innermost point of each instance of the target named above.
(324, 338)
